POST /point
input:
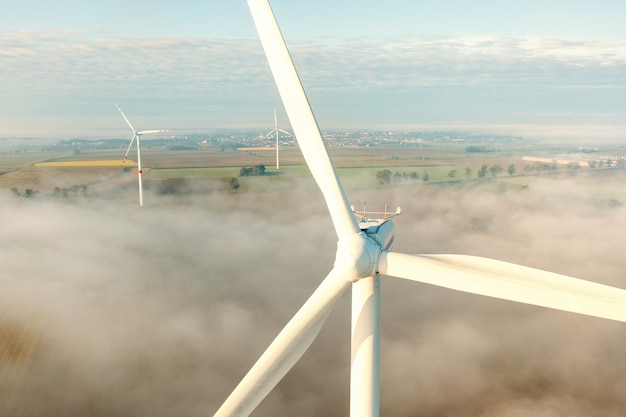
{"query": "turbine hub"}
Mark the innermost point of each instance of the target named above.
(358, 256)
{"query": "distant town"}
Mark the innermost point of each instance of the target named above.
(595, 156)
(247, 138)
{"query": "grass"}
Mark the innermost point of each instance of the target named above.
(194, 172)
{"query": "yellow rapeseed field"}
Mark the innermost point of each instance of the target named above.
(95, 163)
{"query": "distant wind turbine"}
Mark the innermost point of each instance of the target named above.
(277, 130)
(136, 135)
(364, 254)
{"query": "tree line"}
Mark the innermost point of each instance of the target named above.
(252, 171)
(59, 192)
(385, 176)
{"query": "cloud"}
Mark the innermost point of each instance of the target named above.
(88, 63)
(161, 311)
(71, 75)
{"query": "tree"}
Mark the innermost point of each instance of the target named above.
(60, 192)
(384, 176)
(234, 183)
(468, 172)
(78, 189)
(495, 170)
(425, 176)
(452, 173)
(482, 171)
(511, 169)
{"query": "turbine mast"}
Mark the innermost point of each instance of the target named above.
(139, 170)
(276, 129)
(365, 348)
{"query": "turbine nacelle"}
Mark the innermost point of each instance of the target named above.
(357, 256)
(380, 230)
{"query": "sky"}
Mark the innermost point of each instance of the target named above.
(544, 68)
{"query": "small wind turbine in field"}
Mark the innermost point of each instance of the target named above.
(136, 136)
(364, 254)
(277, 130)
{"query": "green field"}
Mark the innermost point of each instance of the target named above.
(169, 170)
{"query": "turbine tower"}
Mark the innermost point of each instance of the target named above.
(137, 136)
(277, 130)
(364, 254)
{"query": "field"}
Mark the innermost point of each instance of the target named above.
(92, 163)
(215, 169)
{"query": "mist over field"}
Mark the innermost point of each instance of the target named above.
(160, 311)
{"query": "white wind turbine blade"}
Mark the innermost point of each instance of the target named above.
(276, 128)
(128, 149)
(286, 349)
(302, 119)
(131, 128)
(508, 281)
(126, 119)
(143, 132)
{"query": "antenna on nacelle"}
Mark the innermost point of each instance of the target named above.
(363, 215)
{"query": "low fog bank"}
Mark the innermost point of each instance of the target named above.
(116, 310)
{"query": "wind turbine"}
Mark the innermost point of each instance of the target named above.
(364, 255)
(136, 135)
(277, 130)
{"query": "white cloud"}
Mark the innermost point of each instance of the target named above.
(160, 311)
(513, 80)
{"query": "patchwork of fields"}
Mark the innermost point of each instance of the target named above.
(215, 169)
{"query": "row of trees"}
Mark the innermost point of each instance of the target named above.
(495, 170)
(386, 177)
(60, 192)
(73, 191)
(252, 171)
(545, 166)
(28, 193)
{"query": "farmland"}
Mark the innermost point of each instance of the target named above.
(211, 169)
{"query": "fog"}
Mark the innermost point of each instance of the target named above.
(160, 311)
